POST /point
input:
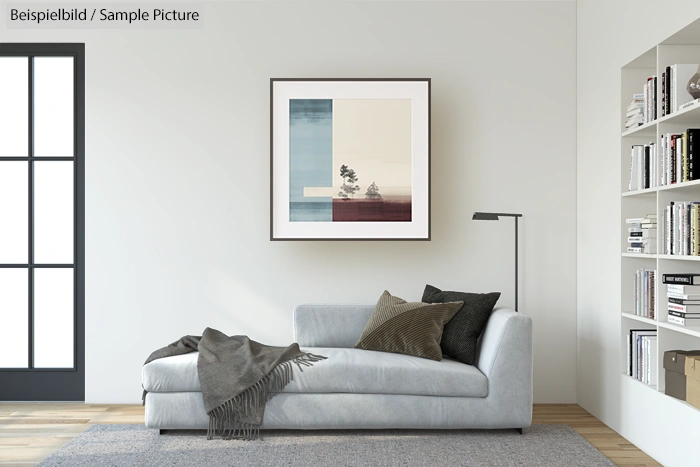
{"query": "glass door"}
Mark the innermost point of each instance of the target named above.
(42, 222)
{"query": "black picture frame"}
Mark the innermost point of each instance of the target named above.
(276, 237)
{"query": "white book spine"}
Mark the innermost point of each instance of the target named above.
(673, 88)
(663, 162)
(630, 188)
(654, 362)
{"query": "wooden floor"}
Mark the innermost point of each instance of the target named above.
(30, 432)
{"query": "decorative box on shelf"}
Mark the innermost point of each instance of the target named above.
(674, 364)
(692, 373)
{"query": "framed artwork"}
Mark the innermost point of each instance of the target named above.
(349, 159)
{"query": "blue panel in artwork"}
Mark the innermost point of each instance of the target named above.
(310, 158)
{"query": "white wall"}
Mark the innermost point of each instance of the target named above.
(610, 34)
(177, 173)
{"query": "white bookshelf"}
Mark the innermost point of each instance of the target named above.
(683, 47)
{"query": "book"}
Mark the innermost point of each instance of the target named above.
(681, 296)
(637, 358)
(637, 102)
(681, 301)
(645, 293)
(667, 100)
(681, 228)
(682, 314)
(681, 278)
(682, 321)
(663, 94)
(683, 289)
(681, 74)
(647, 249)
(635, 220)
(692, 136)
(684, 308)
(690, 104)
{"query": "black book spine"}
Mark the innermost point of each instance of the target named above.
(672, 158)
(646, 166)
(667, 103)
(670, 229)
(663, 94)
(683, 279)
(653, 97)
(693, 135)
(680, 314)
(636, 234)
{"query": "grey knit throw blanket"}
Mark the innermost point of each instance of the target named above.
(238, 376)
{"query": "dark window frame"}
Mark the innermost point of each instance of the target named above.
(66, 384)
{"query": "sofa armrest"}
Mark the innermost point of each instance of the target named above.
(505, 358)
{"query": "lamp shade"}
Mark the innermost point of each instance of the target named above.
(485, 216)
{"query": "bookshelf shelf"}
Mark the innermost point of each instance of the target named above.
(633, 204)
(649, 386)
(689, 115)
(646, 191)
(641, 319)
(639, 255)
(691, 331)
(695, 184)
(679, 257)
(648, 129)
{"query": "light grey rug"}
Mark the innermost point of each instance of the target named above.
(135, 445)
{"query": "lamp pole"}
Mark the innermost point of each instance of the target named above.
(494, 216)
(516, 263)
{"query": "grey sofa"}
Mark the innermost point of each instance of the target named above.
(364, 389)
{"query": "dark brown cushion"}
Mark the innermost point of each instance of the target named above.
(459, 338)
(398, 326)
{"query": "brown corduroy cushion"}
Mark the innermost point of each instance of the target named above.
(413, 328)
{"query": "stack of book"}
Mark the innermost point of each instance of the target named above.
(642, 234)
(642, 357)
(674, 92)
(645, 293)
(683, 292)
(643, 167)
(635, 112)
(678, 157)
(680, 234)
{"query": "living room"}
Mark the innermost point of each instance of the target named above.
(181, 181)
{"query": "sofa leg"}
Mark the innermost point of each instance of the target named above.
(519, 430)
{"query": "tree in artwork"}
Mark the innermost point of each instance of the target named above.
(349, 187)
(373, 192)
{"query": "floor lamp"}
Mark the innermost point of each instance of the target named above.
(494, 216)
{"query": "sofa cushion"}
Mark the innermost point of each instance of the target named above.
(461, 333)
(346, 371)
(407, 328)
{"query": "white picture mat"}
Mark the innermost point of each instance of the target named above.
(417, 91)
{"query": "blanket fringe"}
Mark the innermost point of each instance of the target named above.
(226, 422)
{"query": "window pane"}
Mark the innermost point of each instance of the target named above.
(14, 106)
(14, 212)
(14, 318)
(53, 106)
(53, 318)
(53, 212)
